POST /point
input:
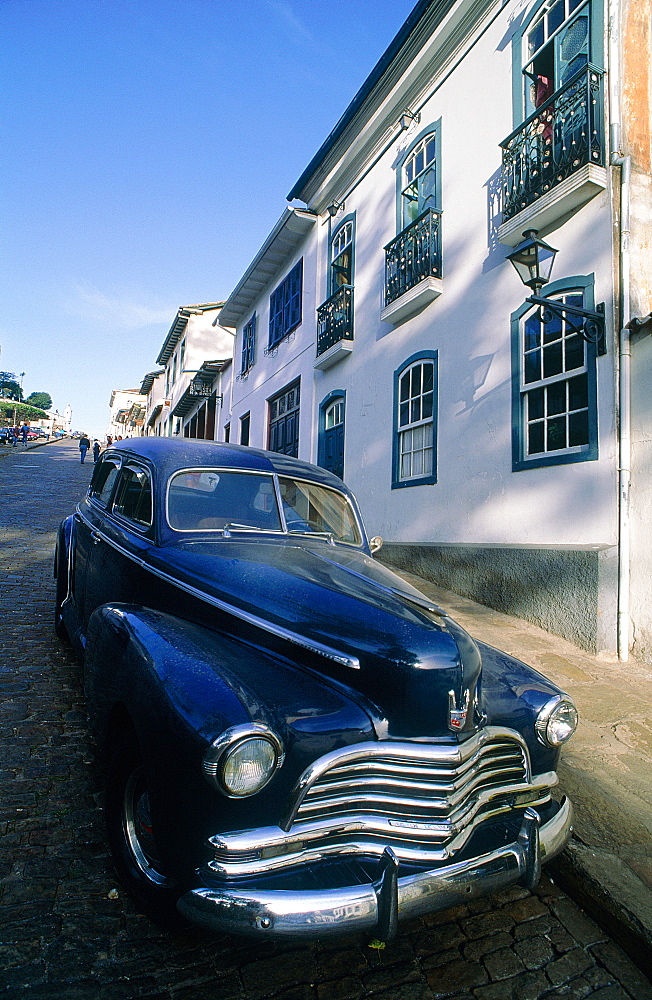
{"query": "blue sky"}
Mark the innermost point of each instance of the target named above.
(148, 149)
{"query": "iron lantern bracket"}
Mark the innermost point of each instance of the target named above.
(589, 325)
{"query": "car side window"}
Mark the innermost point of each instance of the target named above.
(134, 495)
(104, 477)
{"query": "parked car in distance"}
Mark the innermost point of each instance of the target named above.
(296, 741)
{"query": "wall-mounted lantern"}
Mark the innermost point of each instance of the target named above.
(533, 260)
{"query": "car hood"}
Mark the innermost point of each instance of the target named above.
(415, 663)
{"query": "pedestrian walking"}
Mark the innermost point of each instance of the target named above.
(96, 450)
(24, 432)
(14, 436)
(84, 445)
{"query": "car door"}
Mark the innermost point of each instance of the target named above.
(119, 540)
(88, 520)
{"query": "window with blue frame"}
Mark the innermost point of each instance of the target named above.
(554, 382)
(557, 46)
(415, 253)
(419, 179)
(285, 306)
(248, 345)
(414, 457)
(342, 257)
(558, 100)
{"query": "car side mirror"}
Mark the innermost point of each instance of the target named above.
(375, 544)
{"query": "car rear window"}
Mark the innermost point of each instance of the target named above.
(133, 498)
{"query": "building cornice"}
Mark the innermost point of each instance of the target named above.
(429, 43)
(280, 245)
(178, 327)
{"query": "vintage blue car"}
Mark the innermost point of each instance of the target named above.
(297, 741)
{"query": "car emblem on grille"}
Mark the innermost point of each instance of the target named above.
(457, 716)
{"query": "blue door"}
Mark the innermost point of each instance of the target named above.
(284, 421)
(333, 437)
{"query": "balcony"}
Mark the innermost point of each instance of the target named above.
(555, 161)
(413, 268)
(335, 328)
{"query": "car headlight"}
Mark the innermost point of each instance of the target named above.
(243, 759)
(557, 721)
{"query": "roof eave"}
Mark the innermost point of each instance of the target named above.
(281, 243)
(365, 90)
(148, 382)
(179, 325)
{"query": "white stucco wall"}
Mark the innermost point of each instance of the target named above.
(478, 499)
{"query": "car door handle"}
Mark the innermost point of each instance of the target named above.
(96, 537)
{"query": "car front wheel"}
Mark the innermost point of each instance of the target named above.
(132, 837)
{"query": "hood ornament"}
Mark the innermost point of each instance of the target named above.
(457, 716)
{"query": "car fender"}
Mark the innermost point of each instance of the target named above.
(514, 694)
(180, 686)
(64, 538)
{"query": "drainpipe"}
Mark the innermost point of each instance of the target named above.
(616, 159)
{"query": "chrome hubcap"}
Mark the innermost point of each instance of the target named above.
(138, 828)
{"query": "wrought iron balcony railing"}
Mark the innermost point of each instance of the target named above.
(335, 319)
(413, 255)
(562, 135)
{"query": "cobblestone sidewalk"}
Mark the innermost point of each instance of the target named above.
(69, 931)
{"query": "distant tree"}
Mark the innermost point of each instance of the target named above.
(14, 413)
(41, 399)
(9, 387)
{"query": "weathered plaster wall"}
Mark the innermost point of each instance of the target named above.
(569, 592)
(637, 138)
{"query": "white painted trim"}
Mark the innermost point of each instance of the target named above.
(334, 354)
(553, 206)
(412, 301)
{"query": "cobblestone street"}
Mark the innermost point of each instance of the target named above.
(69, 931)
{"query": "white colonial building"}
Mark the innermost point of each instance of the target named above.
(186, 394)
(383, 333)
(127, 408)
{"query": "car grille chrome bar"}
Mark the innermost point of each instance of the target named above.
(445, 773)
(423, 800)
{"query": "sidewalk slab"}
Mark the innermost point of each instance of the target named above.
(606, 769)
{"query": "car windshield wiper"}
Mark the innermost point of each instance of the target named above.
(234, 526)
(328, 535)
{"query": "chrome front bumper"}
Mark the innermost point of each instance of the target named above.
(379, 905)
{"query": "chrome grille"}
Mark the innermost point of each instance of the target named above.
(422, 799)
(411, 782)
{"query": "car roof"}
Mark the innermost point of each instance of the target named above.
(170, 454)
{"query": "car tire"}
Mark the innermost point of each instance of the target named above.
(132, 837)
(61, 592)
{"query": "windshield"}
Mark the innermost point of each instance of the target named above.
(226, 501)
(209, 499)
(312, 509)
